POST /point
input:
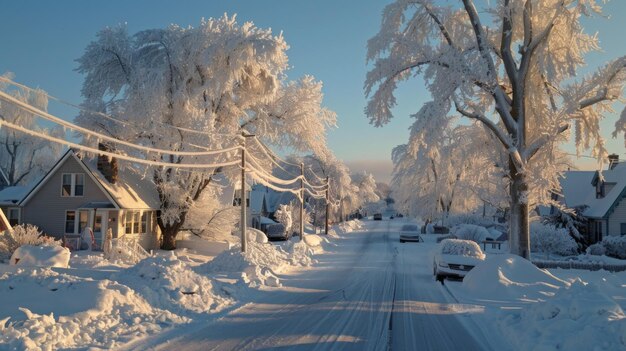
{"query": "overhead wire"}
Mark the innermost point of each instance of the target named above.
(50, 117)
(107, 116)
(116, 155)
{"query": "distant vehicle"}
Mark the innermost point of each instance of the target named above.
(409, 232)
(378, 217)
(277, 232)
(399, 215)
(455, 257)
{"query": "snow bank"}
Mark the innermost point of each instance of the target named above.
(67, 312)
(169, 283)
(580, 317)
(41, 256)
(345, 227)
(508, 277)
(259, 265)
(256, 235)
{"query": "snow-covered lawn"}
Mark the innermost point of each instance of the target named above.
(102, 304)
(537, 309)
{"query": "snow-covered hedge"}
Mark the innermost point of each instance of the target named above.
(23, 234)
(596, 249)
(615, 246)
(548, 239)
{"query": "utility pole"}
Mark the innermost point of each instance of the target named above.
(302, 201)
(244, 202)
(327, 205)
(244, 221)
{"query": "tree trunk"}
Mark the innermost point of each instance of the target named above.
(519, 230)
(169, 232)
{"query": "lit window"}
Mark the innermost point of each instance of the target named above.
(83, 220)
(144, 222)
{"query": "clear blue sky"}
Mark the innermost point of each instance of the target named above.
(41, 39)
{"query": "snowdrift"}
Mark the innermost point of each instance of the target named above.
(580, 317)
(259, 265)
(66, 312)
(41, 256)
(345, 227)
(171, 284)
(508, 277)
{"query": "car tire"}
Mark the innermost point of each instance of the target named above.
(439, 278)
(401, 241)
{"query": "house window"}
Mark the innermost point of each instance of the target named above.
(237, 199)
(73, 184)
(622, 228)
(136, 222)
(144, 222)
(70, 222)
(13, 215)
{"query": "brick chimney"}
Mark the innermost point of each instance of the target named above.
(613, 160)
(107, 165)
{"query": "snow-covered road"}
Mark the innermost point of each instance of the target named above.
(367, 293)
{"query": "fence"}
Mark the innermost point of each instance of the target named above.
(590, 266)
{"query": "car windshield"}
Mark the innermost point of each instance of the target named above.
(409, 228)
(461, 248)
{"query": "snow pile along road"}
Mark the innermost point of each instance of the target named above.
(580, 317)
(346, 227)
(259, 265)
(169, 283)
(510, 278)
(66, 311)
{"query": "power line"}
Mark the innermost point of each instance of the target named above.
(72, 126)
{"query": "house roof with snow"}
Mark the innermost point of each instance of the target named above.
(578, 189)
(132, 190)
(12, 195)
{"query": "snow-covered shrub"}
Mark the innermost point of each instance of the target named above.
(471, 232)
(549, 239)
(615, 246)
(571, 219)
(209, 219)
(23, 234)
(283, 216)
(596, 249)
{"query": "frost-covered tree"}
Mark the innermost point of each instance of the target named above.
(25, 158)
(366, 185)
(441, 171)
(220, 78)
(283, 216)
(211, 219)
(521, 59)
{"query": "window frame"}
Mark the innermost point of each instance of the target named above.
(73, 184)
(65, 221)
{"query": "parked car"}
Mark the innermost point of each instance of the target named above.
(277, 232)
(409, 232)
(378, 217)
(455, 257)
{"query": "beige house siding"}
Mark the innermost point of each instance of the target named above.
(46, 208)
(617, 218)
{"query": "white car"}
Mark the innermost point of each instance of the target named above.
(410, 232)
(455, 257)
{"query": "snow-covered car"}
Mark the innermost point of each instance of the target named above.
(455, 257)
(410, 232)
(378, 217)
(277, 232)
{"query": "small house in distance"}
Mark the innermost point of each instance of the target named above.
(81, 192)
(602, 194)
